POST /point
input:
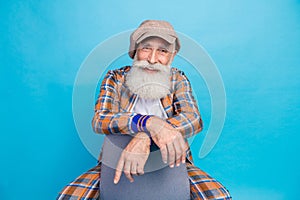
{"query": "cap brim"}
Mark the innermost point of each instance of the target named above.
(168, 38)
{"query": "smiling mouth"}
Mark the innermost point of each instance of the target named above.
(150, 70)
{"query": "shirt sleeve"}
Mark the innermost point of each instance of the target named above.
(187, 118)
(107, 118)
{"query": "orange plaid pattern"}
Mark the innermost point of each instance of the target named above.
(113, 115)
(85, 187)
(202, 186)
(115, 102)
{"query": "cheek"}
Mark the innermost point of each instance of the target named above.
(164, 60)
(141, 56)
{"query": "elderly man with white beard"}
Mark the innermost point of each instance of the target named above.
(152, 102)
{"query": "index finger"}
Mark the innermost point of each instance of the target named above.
(119, 170)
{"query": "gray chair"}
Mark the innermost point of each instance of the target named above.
(159, 181)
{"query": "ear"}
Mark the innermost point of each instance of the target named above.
(174, 53)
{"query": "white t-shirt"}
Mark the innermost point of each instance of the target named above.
(149, 107)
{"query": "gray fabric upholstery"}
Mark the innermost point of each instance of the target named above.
(158, 182)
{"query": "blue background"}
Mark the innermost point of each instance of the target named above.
(255, 44)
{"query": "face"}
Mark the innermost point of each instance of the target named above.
(149, 76)
(155, 50)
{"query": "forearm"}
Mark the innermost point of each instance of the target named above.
(113, 123)
(187, 124)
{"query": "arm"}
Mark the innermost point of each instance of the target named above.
(169, 135)
(186, 119)
(107, 118)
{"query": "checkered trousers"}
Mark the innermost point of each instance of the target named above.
(202, 186)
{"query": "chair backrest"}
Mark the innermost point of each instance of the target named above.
(159, 181)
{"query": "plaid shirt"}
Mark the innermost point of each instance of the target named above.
(113, 109)
(113, 115)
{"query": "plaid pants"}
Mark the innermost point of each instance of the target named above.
(202, 186)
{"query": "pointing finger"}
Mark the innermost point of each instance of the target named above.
(119, 170)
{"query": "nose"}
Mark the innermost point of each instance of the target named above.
(152, 57)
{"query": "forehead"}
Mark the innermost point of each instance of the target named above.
(155, 42)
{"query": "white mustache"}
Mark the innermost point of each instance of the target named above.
(145, 64)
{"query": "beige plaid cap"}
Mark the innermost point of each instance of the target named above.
(150, 28)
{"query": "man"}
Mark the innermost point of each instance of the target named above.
(152, 102)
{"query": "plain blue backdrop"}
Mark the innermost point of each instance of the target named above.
(255, 44)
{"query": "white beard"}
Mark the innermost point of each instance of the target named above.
(149, 85)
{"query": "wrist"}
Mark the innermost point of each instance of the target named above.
(154, 124)
(143, 136)
(149, 124)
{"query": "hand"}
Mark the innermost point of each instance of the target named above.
(169, 140)
(133, 157)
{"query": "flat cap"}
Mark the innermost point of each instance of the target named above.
(153, 28)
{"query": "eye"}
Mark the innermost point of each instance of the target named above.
(146, 48)
(163, 51)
